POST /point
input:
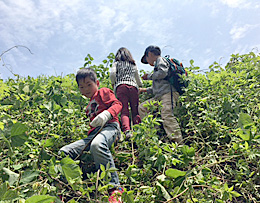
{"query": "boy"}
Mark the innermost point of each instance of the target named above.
(162, 91)
(102, 110)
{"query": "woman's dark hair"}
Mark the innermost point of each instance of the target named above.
(123, 54)
(84, 73)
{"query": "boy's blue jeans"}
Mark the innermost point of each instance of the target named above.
(99, 147)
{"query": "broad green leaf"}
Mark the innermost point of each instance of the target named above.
(71, 170)
(18, 129)
(244, 136)
(18, 140)
(1, 125)
(41, 199)
(164, 191)
(72, 201)
(235, 194)
(49, 142)
(189, 151)
(246, 145)
(102, 167)
(13, 177)
(226, 187)
(235, 146)
(102, 175)
(128, 196)
(176, 161)
(44, 155)
(6, 193)
(66, 161)
(174, 173)
(29, 176)
(244, 119)
(257, 136)
(18, 136)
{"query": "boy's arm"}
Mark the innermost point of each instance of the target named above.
(114, 108)
(101, 119)
(160, 70)
(109, 99)
(113, 74)
(137, 77)
(149, 90)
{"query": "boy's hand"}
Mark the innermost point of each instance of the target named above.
(101, 119)
(145, 76)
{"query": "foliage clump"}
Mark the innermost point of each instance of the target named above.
(217, 161)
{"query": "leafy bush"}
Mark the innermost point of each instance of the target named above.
(217, 161)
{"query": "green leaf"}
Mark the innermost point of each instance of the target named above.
(41, 199)
(164, 191)
(244, 136)
(226, 187)
(71, 171)
(102, 175)
(18, 129)
(72, 201)
(102, 167)
(1, 125)
(246, 145)
(18, 136)
(13, 177)
(174, 173)
(235, 146)
(26, 89)
(44, 155)
(128, 196)
(188, 151)
(6, 193)
(49, 142)
(235, 194)
(244, 119)
(18, 140)
(28, 176)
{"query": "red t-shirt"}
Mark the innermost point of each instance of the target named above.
(103, 99)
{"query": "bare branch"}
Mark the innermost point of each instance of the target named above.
(4, 64)
(17, 46)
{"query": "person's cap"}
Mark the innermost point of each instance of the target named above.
(154, 49)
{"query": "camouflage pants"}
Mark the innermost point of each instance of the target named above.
(170, 123)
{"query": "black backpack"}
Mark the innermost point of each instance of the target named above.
(177, 75)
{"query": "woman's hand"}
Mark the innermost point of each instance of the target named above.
(141, 90)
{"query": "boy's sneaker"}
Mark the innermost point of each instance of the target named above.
(115, 195)
(128, 134)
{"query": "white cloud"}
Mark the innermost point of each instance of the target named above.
(239, 32)
(236, 3)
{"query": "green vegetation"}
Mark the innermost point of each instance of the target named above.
(218, 160)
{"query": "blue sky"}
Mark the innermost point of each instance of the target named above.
(61, 33)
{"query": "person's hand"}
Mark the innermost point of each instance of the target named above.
(101, 119)
(144, 77)
(141, 90)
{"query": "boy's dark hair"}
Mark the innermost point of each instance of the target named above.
(84, 73)
(154, 49)
(123, 54)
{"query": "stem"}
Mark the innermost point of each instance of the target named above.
(97, 184)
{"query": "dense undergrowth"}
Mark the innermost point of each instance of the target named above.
(217, 161)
